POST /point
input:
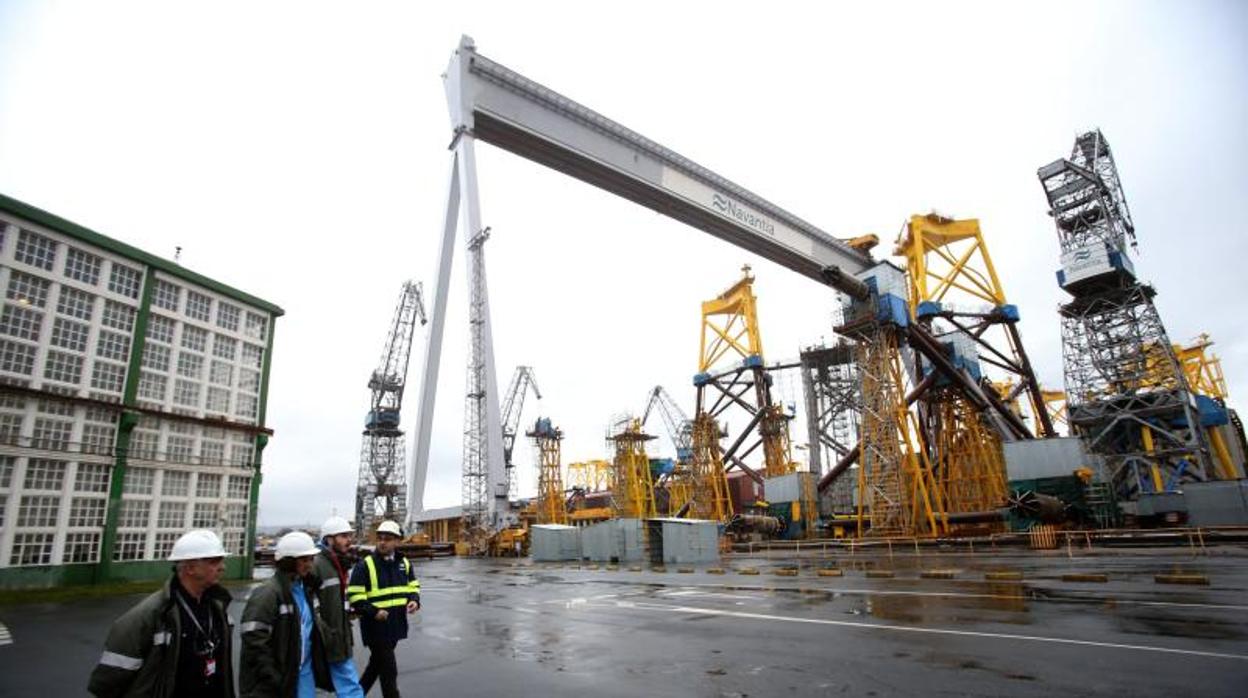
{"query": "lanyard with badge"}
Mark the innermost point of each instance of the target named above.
(205, 645)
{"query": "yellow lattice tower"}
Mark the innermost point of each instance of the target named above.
(591, 475)
(1203, 369)
(968, 458)
(947, 260)
(897, 493)
(708, 485)
(680, 487)
(1055, 403)
(730, 335)
(633, 494)
(551, 503)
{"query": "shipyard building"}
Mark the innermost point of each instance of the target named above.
(132, 406)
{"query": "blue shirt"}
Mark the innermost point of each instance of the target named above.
(305, 623)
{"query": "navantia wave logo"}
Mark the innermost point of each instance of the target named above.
(1083, 255)
(732, 209)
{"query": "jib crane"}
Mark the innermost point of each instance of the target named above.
(521, 381)
(381, 492)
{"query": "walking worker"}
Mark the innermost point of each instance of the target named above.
(175, 642)
(331, 567)
(383, 590)
(283, 655)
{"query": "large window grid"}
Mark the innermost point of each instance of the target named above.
(83, 266)
(74, 303)
(28, 289)
(130, 545)
(21, 322)
(125, 280)
(36, 250)
(85, 350)
(82, 546)
(32, 549)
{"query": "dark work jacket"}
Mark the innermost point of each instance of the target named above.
(389, 585)
(334, 609)
(269, 664)
(141, 653)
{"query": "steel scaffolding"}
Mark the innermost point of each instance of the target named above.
(1126, 392)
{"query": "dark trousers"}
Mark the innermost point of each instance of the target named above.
(381, 665)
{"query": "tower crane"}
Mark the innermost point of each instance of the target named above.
(679, 426)
(381, 492)
(521, 381)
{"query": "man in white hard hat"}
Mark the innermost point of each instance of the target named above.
(383, 586)
(175, 642)
(332, 567)
(283, 651)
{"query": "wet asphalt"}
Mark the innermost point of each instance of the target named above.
(519, 628)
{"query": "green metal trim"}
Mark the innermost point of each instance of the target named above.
(60, 225)
(125, 426)
(261, 441)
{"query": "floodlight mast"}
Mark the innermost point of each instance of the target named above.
(494, 104)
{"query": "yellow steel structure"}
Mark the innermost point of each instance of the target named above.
(551, 503)
(898, 495)
(1054, 402)
(633, 494)
(969, 461)
(591, 475)
(946, 260)
(1203, 368)
(730, 334)
(680, 486)
(708, 485)
(730, 325)
(943, 254)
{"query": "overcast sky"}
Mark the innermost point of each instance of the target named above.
(297, 150)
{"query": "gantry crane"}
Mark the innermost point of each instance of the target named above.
(381, 492)
(513, 405)
(551, 503)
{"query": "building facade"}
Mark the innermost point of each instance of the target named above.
(132, 406)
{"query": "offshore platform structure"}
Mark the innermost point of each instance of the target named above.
(731, 372)
(1126, 392)
(632, 494)
(513, 406)
(948, 266)
(551, 503)
(381, 492)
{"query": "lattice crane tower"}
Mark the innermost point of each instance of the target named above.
(513, 406)
(381, 492)
(680, 485)
(551, 503)
(1126, 392)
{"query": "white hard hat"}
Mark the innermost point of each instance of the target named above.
(295, 544)
(197, 545)
(390, 527)
(335, 525)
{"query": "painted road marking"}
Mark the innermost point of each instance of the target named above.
(696, 610)
(961, 595)
(6, 638)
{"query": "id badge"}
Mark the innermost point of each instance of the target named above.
(210, 666)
